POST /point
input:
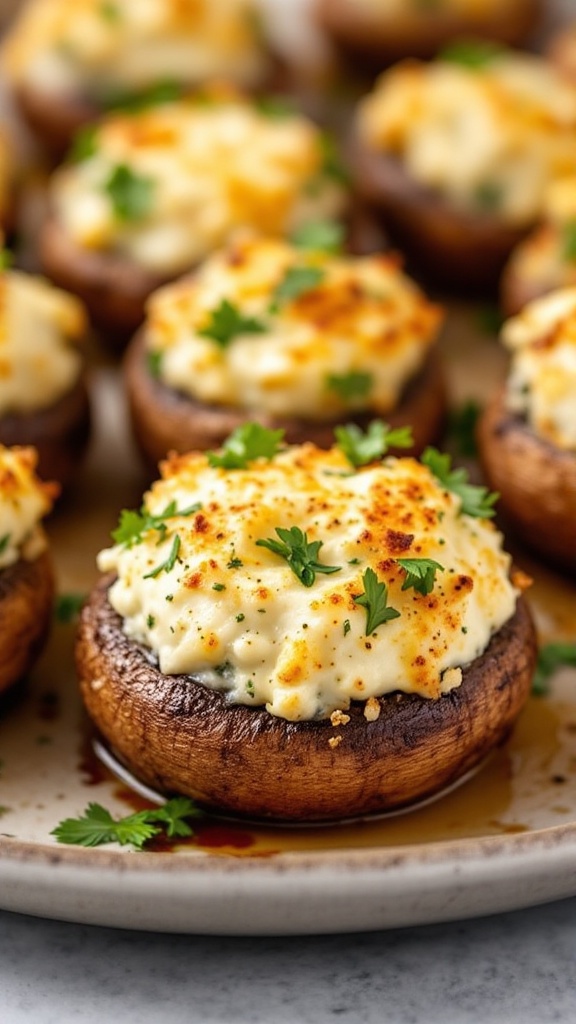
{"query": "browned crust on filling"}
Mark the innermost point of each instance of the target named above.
(179, 736)
(26, 594)
(536, 481)
(451, 246)
(59, 433)
(164, 419)
(382, 39)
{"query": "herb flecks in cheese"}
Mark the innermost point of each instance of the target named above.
(235, 614)
(39, 330)
(24, 500)
(103, 49)
(167, 185)
(267, 327)
(542, 382)
(491, 136)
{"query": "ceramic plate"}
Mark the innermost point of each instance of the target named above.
(506, 838)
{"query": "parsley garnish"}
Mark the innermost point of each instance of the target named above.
(346, 626)
(551, 657)
(300, 553)
(362, 448)
(164, 91)
(462, 427)
(277, 108)
(154, 363)
(246, 443)
(84, 144)
(133, 525)
(150, 621)
(68, 607)
(569, 241)
(226, 323)
(296, 281)
(6, 259)
(475, 501)
(420, 573)
(4, 542)
(131, 194)
(320, 236)
(375, 601)
(169, 562)
(488, 195)
(471, 53)
(348, 386)
(97, 826)
(110, 11)
(332, 163)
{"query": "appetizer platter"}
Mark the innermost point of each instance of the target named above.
(316, 685)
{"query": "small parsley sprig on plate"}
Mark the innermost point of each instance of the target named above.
(300, 553)
(97, 826)
(375, 600)
(227, 322)
(420, 574)
(245, 444)
(361, 448)
(475, 500)
(551, 657)
(134, 525)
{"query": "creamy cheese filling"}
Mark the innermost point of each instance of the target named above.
(98, 47)
(23, 502)
(167, 186)
(39, 325)
(542, 381)
(349, 340)
(210, 601)
(491, 137)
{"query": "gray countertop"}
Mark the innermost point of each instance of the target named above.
(516, 968)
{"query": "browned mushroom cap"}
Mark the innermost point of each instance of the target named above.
(179, 736)
(59, 433)
(449, 245)
(382, 37)
(561, 51)
(166, 420)
(53, 118)
(113, 288)
(26, 593)
(535, 268)
(536, 481)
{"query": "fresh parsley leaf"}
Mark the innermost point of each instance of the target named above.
(489, 318)
(300, 553)
(133, 525)
(277, 108)
(420, 573)
(154, 363)
(348, 386)
(332, 163)
(68, 607)
(169, 563)
(227, 322)
(131, 194)
(362, 448)
(569, 241)
(488, 195)
(246, 443)
(4, 542)
(320, 236)
(296, 281)
(6, 259)
(84, 144)
(375, 601)
(550, 658)
(133, 102)
(475, 501)
(471, 53)
(462, 427)
(97, 826)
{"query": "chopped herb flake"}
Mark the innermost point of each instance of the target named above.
(131, 194)
(169, 563)
(245, 444)
(420, 573)
(226, 323)
(348, 386)
(320, 236)
(475, 501)
(362, 448)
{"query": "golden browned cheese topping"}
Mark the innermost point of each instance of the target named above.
(282, 583)
(168, 185)
(99, 47)
(490, 134)
(542, 381)
(24, 500)
(265, 325)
